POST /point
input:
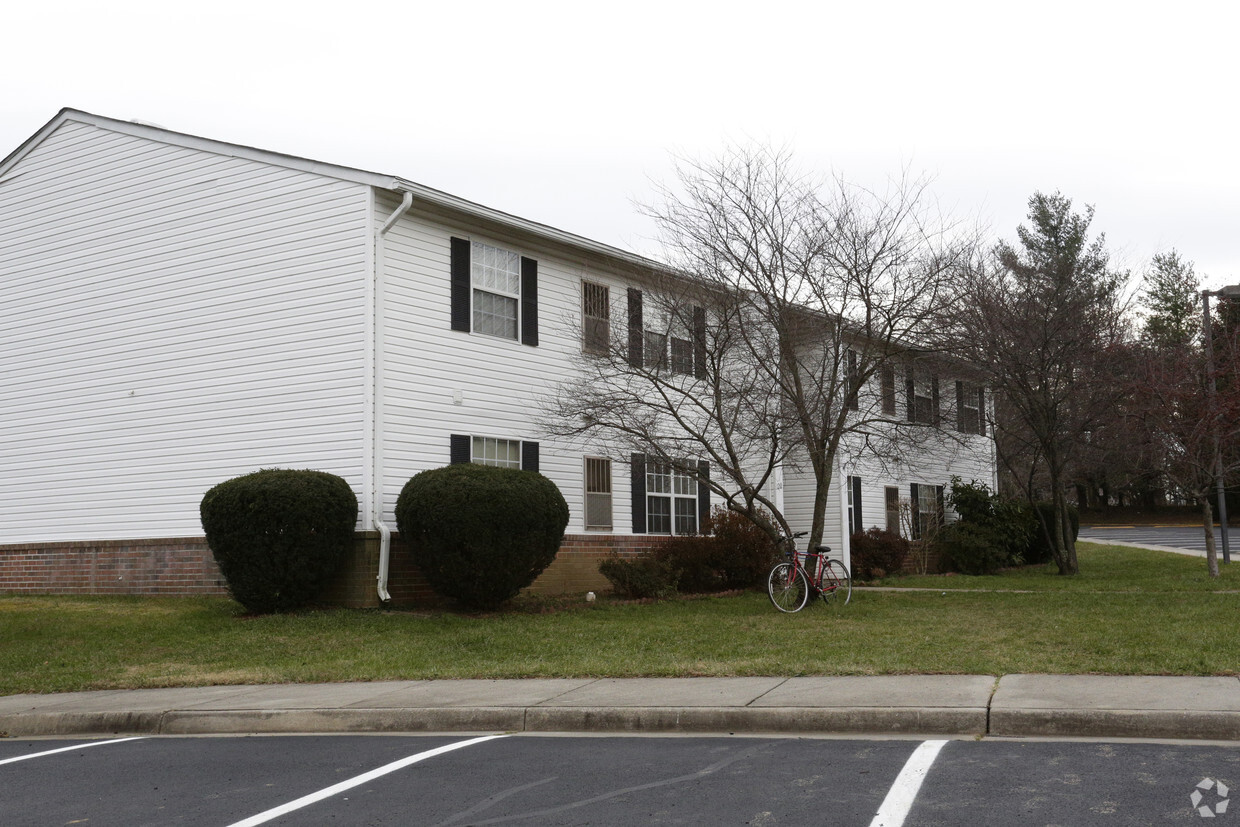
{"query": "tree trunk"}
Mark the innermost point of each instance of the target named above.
(1207, 521)
(1062, 547)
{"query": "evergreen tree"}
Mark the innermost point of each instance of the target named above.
(1170, 295)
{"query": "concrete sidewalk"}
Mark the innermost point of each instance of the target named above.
(962, 705)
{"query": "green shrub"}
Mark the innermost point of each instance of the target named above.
(642, 576)
(279, 536)
(731, 553)
(744, 552)
(876, 553)
(970, 548)
(480, 534)
(991, 532)
(1042, 516)
(694, 558)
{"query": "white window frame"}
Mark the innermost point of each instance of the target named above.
(674, 488)
(494, 273)
(503, 453)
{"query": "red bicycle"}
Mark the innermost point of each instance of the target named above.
(791, 582)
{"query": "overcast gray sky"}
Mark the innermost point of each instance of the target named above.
(564, 113)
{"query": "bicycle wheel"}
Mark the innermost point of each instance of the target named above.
(787, 587)
(836, 583)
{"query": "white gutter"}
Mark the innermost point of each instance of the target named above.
(385, 531)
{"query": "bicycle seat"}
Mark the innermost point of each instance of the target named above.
(823, 550)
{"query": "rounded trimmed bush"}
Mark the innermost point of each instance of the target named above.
(279, 535)
(480, 534)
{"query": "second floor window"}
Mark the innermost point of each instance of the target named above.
(887, 380)
(496, 278)
(493, 291)
(595, 318)
(970, 409)
(853, 377)
(923, 398)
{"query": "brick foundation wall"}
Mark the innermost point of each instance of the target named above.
(176, 566)
(184, 566)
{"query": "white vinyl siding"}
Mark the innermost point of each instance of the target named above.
(171, 318)
(436, 384)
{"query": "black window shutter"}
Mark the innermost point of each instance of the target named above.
(981, 411)
(934, 399)
(912, 398)
(703, 495)
(959, 406)
(529, 456)
(915, 509)
(637, 470)
(858, 523)
(458, 450)
(699, 342)
(938, 501)
(635, 327)
(460, 285)
(529, 302)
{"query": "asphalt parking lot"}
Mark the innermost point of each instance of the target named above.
(466, 780)
(1189, 538)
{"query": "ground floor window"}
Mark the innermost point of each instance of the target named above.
(671, 498)
(891, 499)
(598, 494)
(927, 509)
(502, 453)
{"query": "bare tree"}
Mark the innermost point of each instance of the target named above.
(1046, 321)
(1172, 399)
(1177, 412)
(795, 296)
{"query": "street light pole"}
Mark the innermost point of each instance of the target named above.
(1231, 291)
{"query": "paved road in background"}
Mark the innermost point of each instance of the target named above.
(1188, 538)
(462, 780)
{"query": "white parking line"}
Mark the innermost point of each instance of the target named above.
(69, 749)
(903, 792)
(356, 781)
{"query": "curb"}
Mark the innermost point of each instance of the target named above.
(959, 722)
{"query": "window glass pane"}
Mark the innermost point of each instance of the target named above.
(892, 497)
(658, 515)
(598, 493)
(686, 482)
(686, 516)
(505, 453)
(495, 315)
(682, 356)
(889, 391)
(658, 478)
(654, 349)
(598, 475)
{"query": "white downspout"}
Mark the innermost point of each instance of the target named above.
(385, 531)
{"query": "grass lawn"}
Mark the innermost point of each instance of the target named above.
(1130, 612)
